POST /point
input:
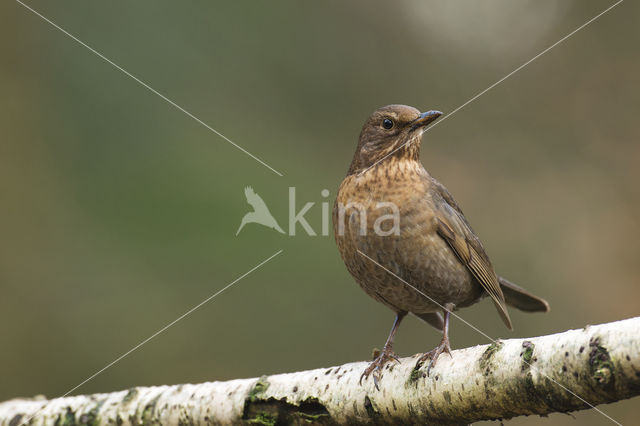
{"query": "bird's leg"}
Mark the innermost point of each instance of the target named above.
(444, 345)
(386, 355)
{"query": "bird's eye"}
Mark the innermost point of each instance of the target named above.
(387, 123)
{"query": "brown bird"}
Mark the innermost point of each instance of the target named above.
(404, 238)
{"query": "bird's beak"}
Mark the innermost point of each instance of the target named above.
(426, 118)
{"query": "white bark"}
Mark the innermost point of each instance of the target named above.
(599, 363)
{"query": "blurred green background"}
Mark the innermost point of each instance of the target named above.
(118, 212)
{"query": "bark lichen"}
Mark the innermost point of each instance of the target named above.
(130, 395)
(485, 359)
(600, 363)
(527, 355)
(67, 419)
(259, 388)
(259, 408)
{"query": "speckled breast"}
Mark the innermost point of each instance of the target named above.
(410, 268)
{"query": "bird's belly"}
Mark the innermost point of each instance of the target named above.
(416, 271)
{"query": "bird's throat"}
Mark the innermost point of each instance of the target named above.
(407, 151)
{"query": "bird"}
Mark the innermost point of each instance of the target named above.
(260, 213)
(428, 261)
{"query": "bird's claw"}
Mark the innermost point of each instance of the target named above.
(433, 355)
(377, 365)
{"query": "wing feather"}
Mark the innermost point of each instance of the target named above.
(453, 227)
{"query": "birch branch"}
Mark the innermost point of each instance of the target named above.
(573, 370)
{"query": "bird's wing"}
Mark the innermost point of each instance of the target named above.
(255, 200)
(444, 193)
(453, 227)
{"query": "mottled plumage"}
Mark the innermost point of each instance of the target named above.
(434, 249)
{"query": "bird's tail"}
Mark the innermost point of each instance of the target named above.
(521, 299)
(434, 319)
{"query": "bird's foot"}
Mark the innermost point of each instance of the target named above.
(433, 354)
(378, 364)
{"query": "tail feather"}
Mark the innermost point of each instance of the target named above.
(521, 299)
(433, 318)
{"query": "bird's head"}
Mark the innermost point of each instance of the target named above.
(393, 130)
